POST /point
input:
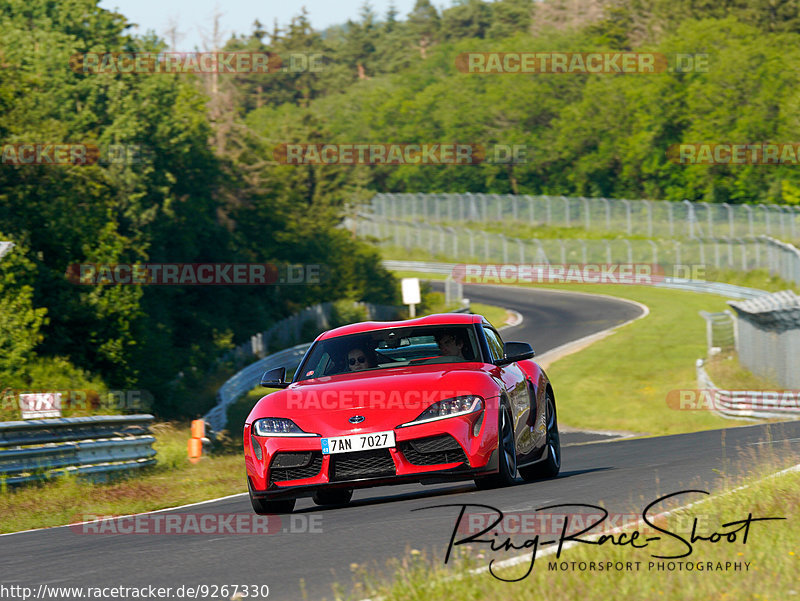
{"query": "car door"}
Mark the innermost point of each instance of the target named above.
(515, 385)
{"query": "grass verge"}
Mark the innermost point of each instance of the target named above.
(771, 552)
(727, 373)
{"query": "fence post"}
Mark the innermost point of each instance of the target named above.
(627, 214)
(586, 213)
(608, 213)
(671, 221)
(731, 233)
(766, 217)
(455, 242)
(655, 252)
(690, 216)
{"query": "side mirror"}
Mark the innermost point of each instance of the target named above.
(275, 378)
(516, 351)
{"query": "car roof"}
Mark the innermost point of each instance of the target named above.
(438, 319)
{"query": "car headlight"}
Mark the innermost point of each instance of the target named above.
(277, 426)
(462, 405)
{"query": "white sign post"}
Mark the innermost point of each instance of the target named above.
(411, 294)
(5, 247)
(36, 405)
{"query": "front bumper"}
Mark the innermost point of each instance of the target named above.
(437, 451)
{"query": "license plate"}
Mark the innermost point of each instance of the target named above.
(357, 442)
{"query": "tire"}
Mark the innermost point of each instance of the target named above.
(265, 507)
(507, 448)
(333, 496)
(550, 467)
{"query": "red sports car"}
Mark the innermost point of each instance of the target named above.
(426, 400)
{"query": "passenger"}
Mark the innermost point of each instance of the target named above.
(357, 360)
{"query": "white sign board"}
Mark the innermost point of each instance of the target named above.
(36, 405)
(410, 287)
(5, 247)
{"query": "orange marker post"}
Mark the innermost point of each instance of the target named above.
(195, 446)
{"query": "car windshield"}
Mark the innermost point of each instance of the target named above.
(398, 347)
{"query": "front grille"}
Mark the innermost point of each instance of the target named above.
(433, 450)
(295, 466)
(364, 464)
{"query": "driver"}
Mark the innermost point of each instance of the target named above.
(451, 344)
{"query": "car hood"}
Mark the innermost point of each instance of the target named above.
(385, 398)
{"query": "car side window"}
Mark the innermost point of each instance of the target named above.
(495, 344)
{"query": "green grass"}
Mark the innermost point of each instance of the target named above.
(772, 549)
(622, 382)
(728, 374)
(544, 232)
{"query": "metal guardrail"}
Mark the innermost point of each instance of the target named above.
(291, 328)
(247, 379)
(746, 404)
(34, 450)
(727, 290)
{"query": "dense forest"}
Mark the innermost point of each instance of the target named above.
(208, 188)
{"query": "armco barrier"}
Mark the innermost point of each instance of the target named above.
(247, 379)
(38, 449)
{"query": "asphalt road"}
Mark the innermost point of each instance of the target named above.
(319, 546)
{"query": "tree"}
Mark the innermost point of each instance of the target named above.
(510, 17)
(466, 19)
(424, 25)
